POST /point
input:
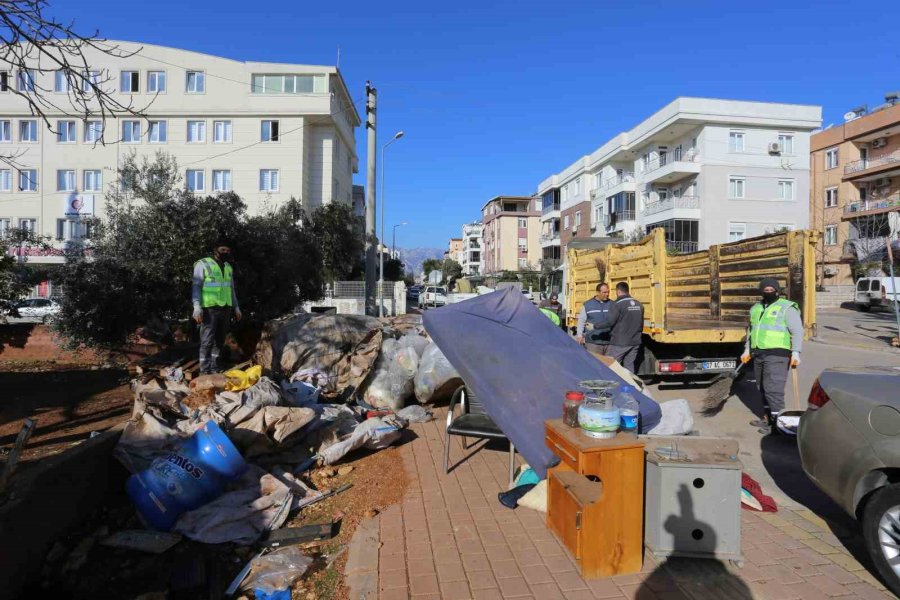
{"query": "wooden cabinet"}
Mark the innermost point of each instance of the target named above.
(595, 499)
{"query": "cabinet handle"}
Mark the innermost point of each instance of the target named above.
(562, 450)
(578, 520)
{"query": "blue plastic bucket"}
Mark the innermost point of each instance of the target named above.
(185, 479)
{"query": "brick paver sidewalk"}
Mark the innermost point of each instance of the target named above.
(450, 538)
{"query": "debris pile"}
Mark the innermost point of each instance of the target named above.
(321, 387)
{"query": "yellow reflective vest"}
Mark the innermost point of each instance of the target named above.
(218, 284)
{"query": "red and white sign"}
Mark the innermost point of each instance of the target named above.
(79, 205)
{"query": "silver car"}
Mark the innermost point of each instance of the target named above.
(849, 442)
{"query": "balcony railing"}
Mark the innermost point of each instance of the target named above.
(669, 203)
(549, 238)
(864, 206)
(674, 247)
(550, 208)
(870, 163)
(669, 158)
(623, 178)
(613, 219)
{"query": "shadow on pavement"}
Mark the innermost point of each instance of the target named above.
(697, 577)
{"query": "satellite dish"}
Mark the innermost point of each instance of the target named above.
(849, 116)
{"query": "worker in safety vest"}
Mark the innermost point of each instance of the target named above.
(593, 329)
(215, 300)
(774, 342)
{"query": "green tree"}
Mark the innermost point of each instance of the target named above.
(332, 228)
(138, 265)
(16, 276)
(393, 269)
(451, 269)
(431, 264)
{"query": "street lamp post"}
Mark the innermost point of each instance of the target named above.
(394, 239)
(396, 137)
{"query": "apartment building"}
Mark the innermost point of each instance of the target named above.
(855, 190)
(511, 234)
(267, 131)
(455, 250)
(707, 171)
(551, 222)
(472, 248)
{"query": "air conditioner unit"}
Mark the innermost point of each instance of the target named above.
(883, 182)
(831, 271)
(774, 148)
(878, 143)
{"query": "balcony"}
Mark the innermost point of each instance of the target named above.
(673, 247)
(550, 208)
(550, 240)
(611, 187)
(671, 167)
(682, 207)
(872, 167)
(616, 221)
(865, 208)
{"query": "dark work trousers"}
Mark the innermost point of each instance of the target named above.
(212, 336)
(625, 355)
(771, 376)
(601, 349)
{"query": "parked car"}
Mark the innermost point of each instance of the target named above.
(849, 442)
(39, 309)
(412, 293)
(433, 296)
(873, 292)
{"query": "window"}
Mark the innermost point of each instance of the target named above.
(196, 131)
(93, 180)
(286, 84)
(221, 132)
(159, 133)
(831, 197)
(269, 131)
(564, 193)
(875, 285)
(62, 82)
(73, 230)
(131, 132)
(28, 225)
(65, 180)
(93, 131)
(5, 180)
(523, 223)
(736, 141)
(156, 81)
(4, 227)
(577, 218)
(786, 141)
(831, 158)
(66, 132)
(195, 82)
(785, 189)
(194, 180)
(737, 231)
(862, 286)
(736, 187)
(566, 222)
(4, 81)
(28, 131)
(91, 80)
(645, 161)
(221, 181)
(28, 180)
(523, 263)
(576, 186)
(5, 131)
(131, 81)
(268, 180)
(25, 81)
(831, 235)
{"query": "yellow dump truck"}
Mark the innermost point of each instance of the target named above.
(696, 305)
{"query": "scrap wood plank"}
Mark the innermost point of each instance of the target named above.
(13, 459)
(298, 535)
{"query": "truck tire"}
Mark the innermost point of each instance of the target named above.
(863, 307)
(881, 531)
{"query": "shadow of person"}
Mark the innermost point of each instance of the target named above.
(692, 568)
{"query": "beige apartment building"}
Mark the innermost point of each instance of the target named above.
(511, 234)
(267, 131)
(455, 250)
(855, 190)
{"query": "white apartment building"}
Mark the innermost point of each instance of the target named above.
(708, 171)
(267, 131)
(471, 253)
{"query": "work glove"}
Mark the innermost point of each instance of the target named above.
(198, 314)
(237, 314)
(745, 357)
(795, 359)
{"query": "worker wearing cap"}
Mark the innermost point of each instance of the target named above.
(554, 306)
(215, 300)
(774, 342)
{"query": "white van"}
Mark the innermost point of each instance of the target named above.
(876, 291)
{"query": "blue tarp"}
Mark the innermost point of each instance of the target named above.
(520, 365)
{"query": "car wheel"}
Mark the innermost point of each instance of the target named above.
(881, 530)
(863, 307)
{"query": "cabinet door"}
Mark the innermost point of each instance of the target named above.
(564, 515)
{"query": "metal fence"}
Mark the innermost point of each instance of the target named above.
(357, 289)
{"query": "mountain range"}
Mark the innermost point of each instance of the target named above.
(414, 257)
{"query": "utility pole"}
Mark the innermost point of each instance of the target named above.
(371, 94)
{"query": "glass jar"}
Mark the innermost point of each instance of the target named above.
(570, 407)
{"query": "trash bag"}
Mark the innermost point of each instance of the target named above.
(415, 414)
(263, 393)
(276, 571)
(436, 378)
(237, 380)
(375, 434)
(677, 418)
(391, 382)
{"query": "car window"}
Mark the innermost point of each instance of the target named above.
(862, 286)
(441, 290)
(876, 285)
(42, 303)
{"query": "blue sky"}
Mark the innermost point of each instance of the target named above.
(496, 96)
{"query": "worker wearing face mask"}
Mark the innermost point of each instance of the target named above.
(215, 300)
(774, 342)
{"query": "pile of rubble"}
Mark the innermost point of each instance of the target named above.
(318, 388)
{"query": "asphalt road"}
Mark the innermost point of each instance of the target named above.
(846, 338)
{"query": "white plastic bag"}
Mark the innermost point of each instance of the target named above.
(434, 375)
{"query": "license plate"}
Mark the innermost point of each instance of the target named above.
(719, 364)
